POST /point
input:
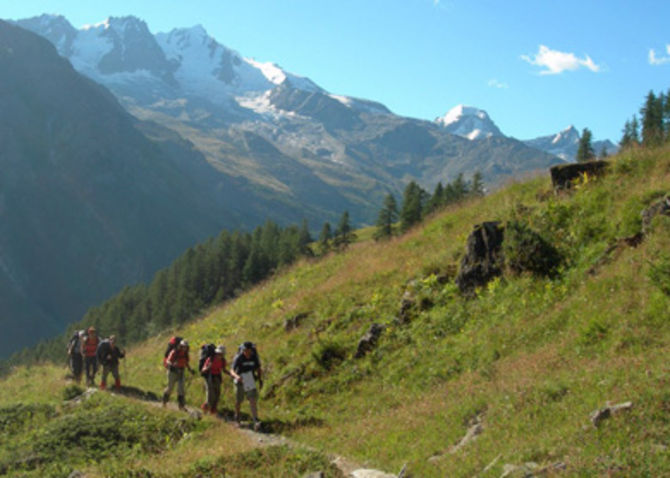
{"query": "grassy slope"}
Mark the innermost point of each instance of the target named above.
(532, 357)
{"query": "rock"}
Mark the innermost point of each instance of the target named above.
(316, 474)
(562, 175)
(369, 340)
(406, 305)
(604, 413)
(469, 436)
(661, 207)
(519, 471)
(76, 474)
(370, 473)
(483, 259)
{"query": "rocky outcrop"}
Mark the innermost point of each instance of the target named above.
(563, 175)
(661, 207)
(607, 411)
(483, 259)
(369, 340)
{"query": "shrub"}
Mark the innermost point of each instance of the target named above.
(72, 391)
(328, 354)
(525, 250)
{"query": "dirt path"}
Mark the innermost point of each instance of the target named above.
(260, 439)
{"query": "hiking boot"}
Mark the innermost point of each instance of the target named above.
(117, 384)
(204, 407)
(257, 425)
(165, 399)
(182, 402)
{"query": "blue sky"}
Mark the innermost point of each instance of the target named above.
(535, 66)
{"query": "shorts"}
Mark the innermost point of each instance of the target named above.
(241, 394)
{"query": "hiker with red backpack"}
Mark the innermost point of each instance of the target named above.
(108, 355)
(212, 370)
(89, 349)
(176, 361)
(247, 365)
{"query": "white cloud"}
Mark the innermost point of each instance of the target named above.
(556, 62)
(494, 83)
(656, 60)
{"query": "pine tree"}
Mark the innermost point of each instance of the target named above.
(343, 235)
(436, 201)
(387, 217)
(460, 187)
(412, 206)
(304, 240)
(635, 131)
(585, 150)
(325, 238)
(652, 120)
(477, 185)
(626, 140)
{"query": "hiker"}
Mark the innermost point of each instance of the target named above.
(89, 348)
(108, 355)
(75, 359)
(247, 366)
(212, 369)
(176, 362)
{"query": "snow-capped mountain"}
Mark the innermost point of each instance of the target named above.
(566, 143)
(276, 129)
(122, 53)
(468, 122)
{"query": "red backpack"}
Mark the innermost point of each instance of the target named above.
(172, 344)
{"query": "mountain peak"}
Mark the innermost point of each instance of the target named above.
(568, 135)
(469, 122)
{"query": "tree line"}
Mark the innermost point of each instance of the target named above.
(652, 129)
(417, 203)
(206, 274)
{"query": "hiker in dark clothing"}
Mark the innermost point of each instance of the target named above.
(75, 359)
(108, 355)
(176, 362)
(247, 365)
(213, 368)
(89, 348)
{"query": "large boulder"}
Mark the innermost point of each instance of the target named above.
(483, 259)
(563, 175)
(661, 207)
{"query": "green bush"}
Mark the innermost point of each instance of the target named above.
(327, 354)
(72, 391)
(526, 251)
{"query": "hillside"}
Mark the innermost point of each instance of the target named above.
(521, 365)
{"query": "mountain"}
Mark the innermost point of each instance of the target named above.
(468, 122)
(91, 199)
(250, 118)
(566, 143)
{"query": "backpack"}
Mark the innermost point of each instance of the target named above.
(73, 346)
(102, 351)
(206, 351)
(172, 344)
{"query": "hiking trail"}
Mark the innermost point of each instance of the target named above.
(260, 439)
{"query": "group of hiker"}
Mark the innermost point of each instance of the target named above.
(86, 350)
